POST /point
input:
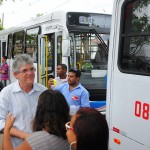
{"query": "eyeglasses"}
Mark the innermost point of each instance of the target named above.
(25, 71)
(67, 125)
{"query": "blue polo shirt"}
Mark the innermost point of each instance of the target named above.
(78, 96)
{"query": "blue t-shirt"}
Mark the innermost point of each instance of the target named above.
(78, 96)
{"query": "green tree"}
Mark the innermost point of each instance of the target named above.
(1, 27)
(139, 24)
(1, 1)
(39, 14)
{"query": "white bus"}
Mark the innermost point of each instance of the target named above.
(128, 84)
(77, 39)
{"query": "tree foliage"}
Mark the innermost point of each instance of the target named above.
(1, 1)
(140, 24)
(1, 27)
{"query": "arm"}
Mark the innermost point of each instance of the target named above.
(4, 110)
(85, 99)
(4, 104)
(7, 144)
(24, 146)
(19, 134)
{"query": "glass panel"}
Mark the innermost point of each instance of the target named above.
(18, 45)
(50, 54)
(87, 19)
(90, 59)
(135, 50)
(9, 48)
(4, 49)
(32, 42)
(88, 54)
(59, 49)
(43, 61)
(136, 54)
(137, 17)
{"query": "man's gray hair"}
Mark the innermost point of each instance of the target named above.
(20, 60)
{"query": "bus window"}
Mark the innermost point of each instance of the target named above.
(50, 53)
(32, 42)
(135, 47)
(59, 49)
(88, 53)
(9, 46)
(3, 48)
(18, 43)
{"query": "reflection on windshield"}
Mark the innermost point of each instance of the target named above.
(135, 53)
(89, 58)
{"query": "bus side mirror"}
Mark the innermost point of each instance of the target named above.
(65, 47)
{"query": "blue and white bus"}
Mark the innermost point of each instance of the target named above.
(128, 84)
(77, 39)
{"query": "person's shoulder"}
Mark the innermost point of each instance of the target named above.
(5, 65)
(9, 87)
(40, 133)
(83, 88)
(57, 78)
(62, 86)
(40, 86)
(6, 91)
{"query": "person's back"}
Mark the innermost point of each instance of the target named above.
(48, 125)
(87, 130)
(47, 141)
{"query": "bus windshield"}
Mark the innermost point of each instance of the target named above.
(89, 51)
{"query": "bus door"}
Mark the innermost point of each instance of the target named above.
(58, 50)
(128, 84)
(43, 60)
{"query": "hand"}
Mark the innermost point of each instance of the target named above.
(50, 82)
(9, 121)
(26, 135)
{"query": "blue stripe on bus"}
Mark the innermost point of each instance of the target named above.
(97, 104)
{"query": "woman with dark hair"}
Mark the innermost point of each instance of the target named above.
(87, 130)
(49, 125)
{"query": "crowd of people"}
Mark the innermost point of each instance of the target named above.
(33, 117)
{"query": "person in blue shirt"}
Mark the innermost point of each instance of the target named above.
(73, 91)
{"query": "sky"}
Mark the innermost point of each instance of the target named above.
(23, 10)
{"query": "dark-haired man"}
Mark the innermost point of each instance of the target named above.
(61, 77)
(73, 91)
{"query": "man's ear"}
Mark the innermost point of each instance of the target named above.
(15, 74)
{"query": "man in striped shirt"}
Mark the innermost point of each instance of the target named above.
(4, 71)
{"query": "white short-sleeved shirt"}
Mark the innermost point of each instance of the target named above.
(13, 99)
(58, 82)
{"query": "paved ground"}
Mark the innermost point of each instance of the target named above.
(1, 135)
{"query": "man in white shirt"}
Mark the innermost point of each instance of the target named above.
(20, 98)
(61, 77)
